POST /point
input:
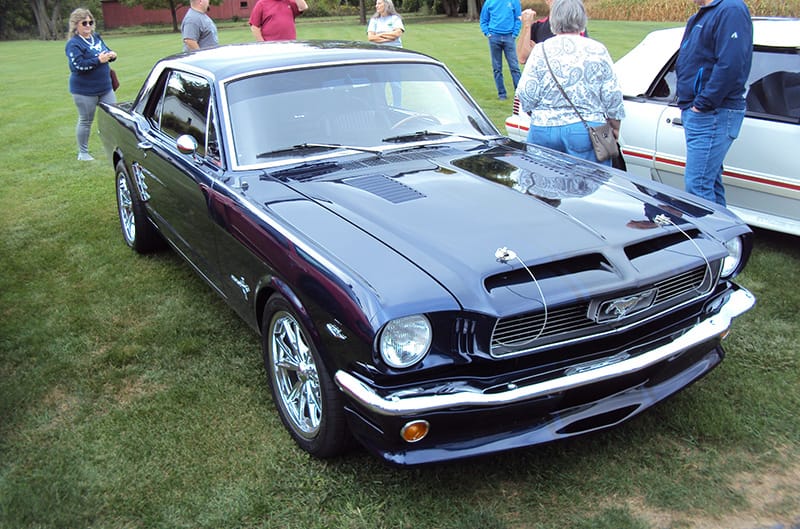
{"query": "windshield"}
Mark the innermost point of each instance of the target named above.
(364, 105)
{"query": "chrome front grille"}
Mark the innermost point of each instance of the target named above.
(523, 330)
(535, 330)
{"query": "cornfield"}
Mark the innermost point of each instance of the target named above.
(667, 10)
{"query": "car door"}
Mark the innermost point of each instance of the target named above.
(761, 175)
(177, 182)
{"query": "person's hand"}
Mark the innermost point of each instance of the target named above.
(527, 17)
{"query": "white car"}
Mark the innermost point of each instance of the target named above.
(762, 171)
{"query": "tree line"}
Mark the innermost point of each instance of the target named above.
(47, 19)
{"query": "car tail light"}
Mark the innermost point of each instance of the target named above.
(515, 108)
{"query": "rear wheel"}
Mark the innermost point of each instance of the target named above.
(137, 230)
(308, 401)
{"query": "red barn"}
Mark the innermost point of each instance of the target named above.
(116, 15)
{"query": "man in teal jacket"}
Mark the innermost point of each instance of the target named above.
(500, 22)
(712, 69)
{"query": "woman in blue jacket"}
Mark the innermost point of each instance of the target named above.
(90, 75)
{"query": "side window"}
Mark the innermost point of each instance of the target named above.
(663, 89)
(213, 152)
(774, 85)
(185, 108)
(151, 109)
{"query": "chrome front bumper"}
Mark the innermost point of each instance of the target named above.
(716, 326)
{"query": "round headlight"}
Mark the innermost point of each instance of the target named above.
(731, 263)
(405, 341)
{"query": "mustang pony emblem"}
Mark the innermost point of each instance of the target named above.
(616, 309)
(240, 282)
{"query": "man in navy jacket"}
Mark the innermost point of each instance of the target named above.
(712, 69)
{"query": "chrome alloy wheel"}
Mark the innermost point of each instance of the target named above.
(125, 205)
(295, 375)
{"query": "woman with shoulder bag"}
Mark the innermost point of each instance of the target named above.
(90, 80)
(569, 86)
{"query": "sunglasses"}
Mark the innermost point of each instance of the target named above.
(87, 23)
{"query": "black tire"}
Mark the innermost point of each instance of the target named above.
(137, 230)
(308, 401)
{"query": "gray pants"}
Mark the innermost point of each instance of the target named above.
(86, 107)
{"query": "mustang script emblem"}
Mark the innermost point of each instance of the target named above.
(619, 308)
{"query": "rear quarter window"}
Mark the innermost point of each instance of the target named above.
(774, 85)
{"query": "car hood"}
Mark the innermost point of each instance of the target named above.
(451, 214)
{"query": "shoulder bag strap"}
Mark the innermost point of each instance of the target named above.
(563, 93)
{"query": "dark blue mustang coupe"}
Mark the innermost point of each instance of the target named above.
(421, 283)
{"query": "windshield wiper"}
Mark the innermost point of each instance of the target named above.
(318, 147)
(420, 134)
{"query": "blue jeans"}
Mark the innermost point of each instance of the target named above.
(498, 45)
(572, 139)
(709, 135)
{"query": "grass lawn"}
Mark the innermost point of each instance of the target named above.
(132, 397)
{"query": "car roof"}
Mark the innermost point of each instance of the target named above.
(236, 59)
(776, 32)
(637, 69)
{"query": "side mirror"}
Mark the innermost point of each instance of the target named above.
(186, 144)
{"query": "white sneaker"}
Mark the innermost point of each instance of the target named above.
(85, 157)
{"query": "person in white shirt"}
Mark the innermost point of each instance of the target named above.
(385, 26)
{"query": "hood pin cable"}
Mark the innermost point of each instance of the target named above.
(504, 255)
(663, 220)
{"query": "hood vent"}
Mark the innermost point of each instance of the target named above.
(658, 244)
(384, 187)
(567, 267)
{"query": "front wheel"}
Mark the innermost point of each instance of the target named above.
(308, 401)
(137, 230)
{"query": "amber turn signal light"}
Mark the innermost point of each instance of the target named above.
(415, 431)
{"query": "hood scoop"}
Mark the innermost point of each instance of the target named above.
(384, 187)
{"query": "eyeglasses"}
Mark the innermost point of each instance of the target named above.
(87, 23)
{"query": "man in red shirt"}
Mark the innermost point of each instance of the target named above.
(274, 19)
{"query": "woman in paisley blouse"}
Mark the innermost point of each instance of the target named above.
(584, 70)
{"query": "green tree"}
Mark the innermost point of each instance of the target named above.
(450, 7)
(474, 10)
(17, 20)
(172, 5)
(48, 18)
(51, 16)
